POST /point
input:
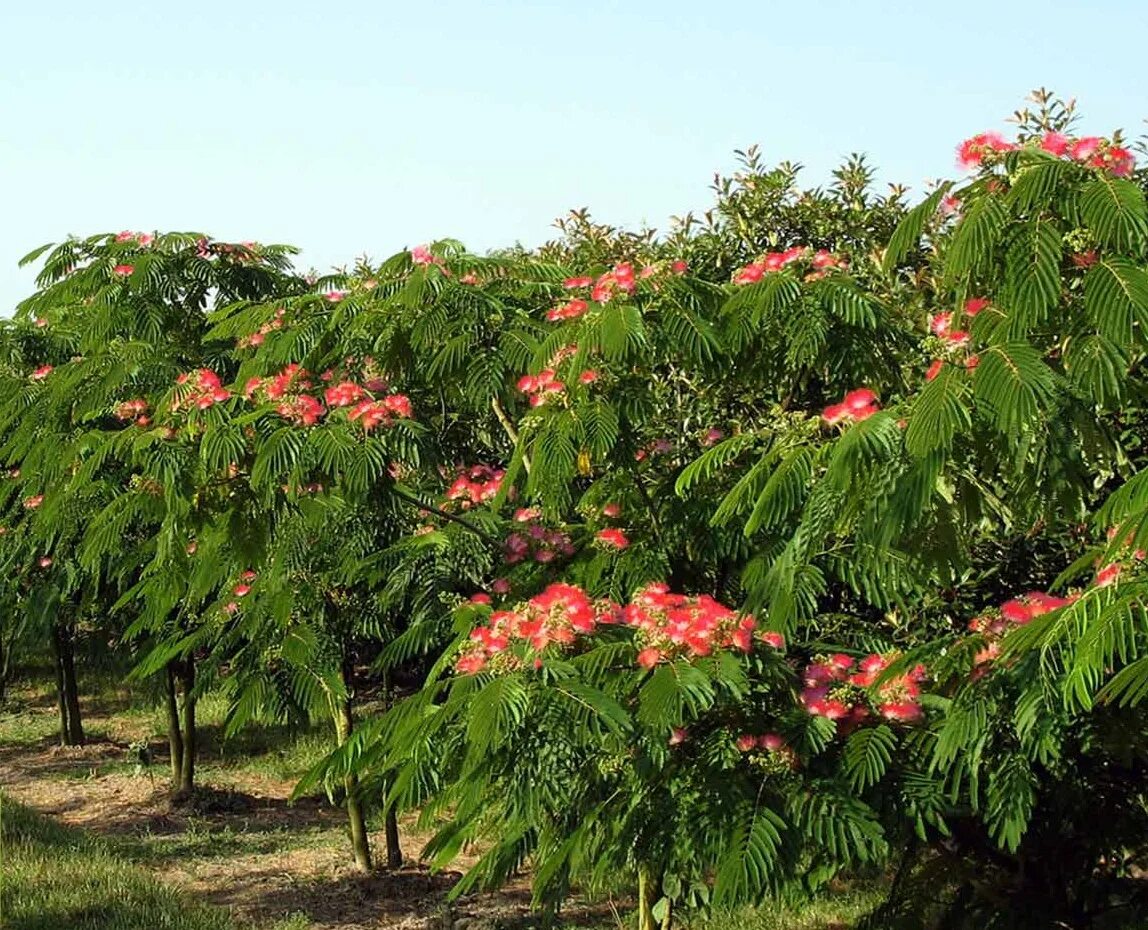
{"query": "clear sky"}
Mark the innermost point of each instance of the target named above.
(363, 127)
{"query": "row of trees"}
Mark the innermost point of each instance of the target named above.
(806, 538)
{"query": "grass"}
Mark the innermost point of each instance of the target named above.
(53, 877)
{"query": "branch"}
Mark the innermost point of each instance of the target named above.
(438, 512)
(509, 428)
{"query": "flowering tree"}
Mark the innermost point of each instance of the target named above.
(806, 536)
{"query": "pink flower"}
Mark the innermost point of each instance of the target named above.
(480, 598)
(1084, 149)
(649, 657)
(975, 305)
(1055, 143)
(230, 607)
(678, 735)
(335, 296)
(421, 255)
(123, 270)
(500, 586)
(973, 151)
(679, 266)
(770, 638)
(939, 323)
(860, 400)
(934, 369)
(571, 283)
(241, 590)
(31, 503)
(613, 538)
(835, 413)
(41, 322)
(750, 274)
(611, 510)
(588, 377)
(770, 742)
(712, 436)
(746, 743)
(41, 373)
(46, 561)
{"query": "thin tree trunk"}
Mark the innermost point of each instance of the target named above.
(647, 898)
(174, 737)
(68, 698)
(390, 818)
(360, 844)
(5, 659)
(344, 727)
(186, 787)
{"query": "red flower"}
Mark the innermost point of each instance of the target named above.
(571, 283)
(41, 373)
(934, 369)
(678, 266)
(241, 590)
(480, 598)
(975, 305)
(613, 538)
(939, 323)
(746, 743)
(588, 377)
(1108, 575)
(123, 270)
(750, 274)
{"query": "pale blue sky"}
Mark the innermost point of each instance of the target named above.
(352, 127)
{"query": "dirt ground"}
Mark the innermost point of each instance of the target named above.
(243, 847)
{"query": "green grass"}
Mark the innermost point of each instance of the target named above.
(54, 877)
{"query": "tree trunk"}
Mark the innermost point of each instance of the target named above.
(67, 692)
(186, 786)
(5, 658)
(647, 898)
(344, 726)
(390, 818)
(174, 737)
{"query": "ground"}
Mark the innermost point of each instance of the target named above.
(243, 845)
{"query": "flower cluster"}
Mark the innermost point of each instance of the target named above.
(534, 541)
(612, 538)
(257, 337)
(838, 687)
(768, 750)
(672, 626)
(201, 389)
(985, 148)
(821, 261)
(290, 386)
(1017, 611)
(136, 410)
(570, 310)
(856, 405)
(372, 413)
(421, 255)
(143, 239)
(541, 387)
(475, 485)
(556, 616)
